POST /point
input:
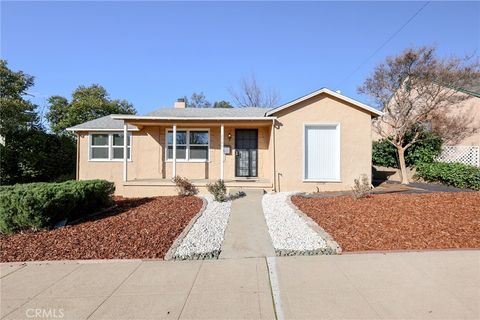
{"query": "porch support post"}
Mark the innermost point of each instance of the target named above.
(125, 149)
(174, 156)
(222, 155)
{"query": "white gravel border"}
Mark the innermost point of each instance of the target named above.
(204, 239)
(289, 232)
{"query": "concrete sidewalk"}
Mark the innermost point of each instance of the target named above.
(247, 235)
(415, 285)
(215, 289)
(423, 285)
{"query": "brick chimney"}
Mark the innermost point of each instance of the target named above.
(180, 104)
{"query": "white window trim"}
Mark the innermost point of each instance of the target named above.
(187, 151)
(110, 146)
(337, 129)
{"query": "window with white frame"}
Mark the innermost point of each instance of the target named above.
(192, 145)
(108, 146)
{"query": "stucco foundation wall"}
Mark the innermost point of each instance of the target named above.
(355, 143)
(148, 160)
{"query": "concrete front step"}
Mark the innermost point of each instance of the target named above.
(248, 191)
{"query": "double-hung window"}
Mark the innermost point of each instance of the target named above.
(117, 146)
(99, 146)
(192, 145)
(108, 146)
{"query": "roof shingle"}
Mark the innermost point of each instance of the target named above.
(208, 112)
(103, 123)
(108, 123)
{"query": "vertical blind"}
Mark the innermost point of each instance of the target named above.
(322, 161)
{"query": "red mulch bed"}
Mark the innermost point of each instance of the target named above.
(136, 228)
(398, 221)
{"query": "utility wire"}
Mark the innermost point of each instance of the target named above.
(384, 43)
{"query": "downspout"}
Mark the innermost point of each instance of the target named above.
(77, 162)
(125, 150)
(274, 159)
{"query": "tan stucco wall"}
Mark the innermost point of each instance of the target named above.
(148, 154)
(355, 142)
(469, 108)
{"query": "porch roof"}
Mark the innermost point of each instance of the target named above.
(114, 122)
(208, 112)
(132, 118)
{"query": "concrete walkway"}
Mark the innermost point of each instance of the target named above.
(417, 285)
(247, 235)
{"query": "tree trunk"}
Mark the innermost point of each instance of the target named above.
(403, 166)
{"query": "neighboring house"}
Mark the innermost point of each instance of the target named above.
(466, 150)
(471, 107)
(321, 140)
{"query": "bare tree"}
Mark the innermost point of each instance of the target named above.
(418, 88)
(251, 94)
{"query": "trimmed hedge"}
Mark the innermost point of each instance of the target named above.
(41, 205)
(453, 174)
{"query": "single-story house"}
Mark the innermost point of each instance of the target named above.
(321, 141)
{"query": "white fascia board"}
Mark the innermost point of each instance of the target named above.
(132, 117)
(330, 92)
(99, 129)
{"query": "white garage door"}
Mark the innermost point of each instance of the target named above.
(322, 152)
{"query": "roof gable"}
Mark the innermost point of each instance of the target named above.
(337, 95)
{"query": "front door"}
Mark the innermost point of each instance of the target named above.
(246, 152)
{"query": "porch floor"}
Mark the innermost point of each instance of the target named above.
(230, 183)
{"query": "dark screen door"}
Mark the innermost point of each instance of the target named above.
(246, 152)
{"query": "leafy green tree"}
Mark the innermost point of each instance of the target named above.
(87, 103)
(28, 153)
(222, 104)
(197, 100)
(16, 111)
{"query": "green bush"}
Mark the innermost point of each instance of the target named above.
(41, 205)
(384, 154)
(425, 150)
(36, 156)
(454, 174)
(218, 190)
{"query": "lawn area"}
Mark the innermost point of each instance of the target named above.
(398, 221)
(136, 228)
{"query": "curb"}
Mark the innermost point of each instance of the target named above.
(170, 255)
(78, 261)
(394, 251)
(332, 246)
